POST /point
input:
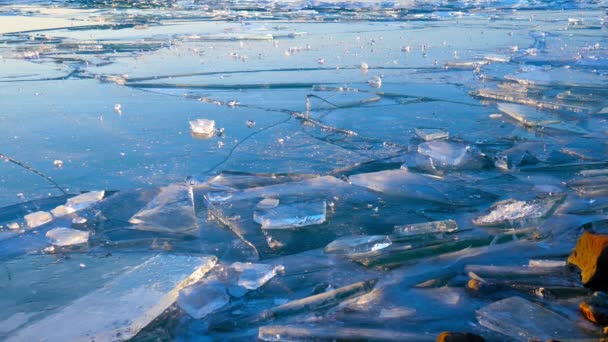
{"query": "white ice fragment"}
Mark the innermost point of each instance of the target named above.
(79, 220)
(58, 163)
(546, 263)
(292, 215)
(203, 127)
(364, 66)
(268, 203)
(509, 210)
(172, 210)
(358, 244)
(85, 200)
(62, 210)
(67, 236)
(375, 82)
(446, 153)
(252, 276)
(396, 313)
(13, 226)
(118, 109)
(201, 299)
(38, 218)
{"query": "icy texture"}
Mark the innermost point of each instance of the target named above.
(292, 215)
(67, 236)
(38, 218)
(521, 319)
(203, 298)
(358, 244)
(511, 210)
(446, 153)
(172, 210)
(252, 276)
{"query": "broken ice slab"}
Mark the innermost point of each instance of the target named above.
(434, 227)
(85, 200)
(121, 308)
(406, 184)
(399, 254)
(530, 117)
(514, 212)
(38, 218)
(320, 301)
(541, 276)
(518, 98)
(172, 210)
(202, 127)
(67, 236)
(268, 203)
(252, 276)
(62, 210)
(428, 134)
(444, 154)
(590, 183)
(292, 215)
(521, 319)
(358, 244)
(335, 333)
(203, 298)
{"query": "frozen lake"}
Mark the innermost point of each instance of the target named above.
(370, 159)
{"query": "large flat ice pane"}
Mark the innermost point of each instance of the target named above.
(120, 309)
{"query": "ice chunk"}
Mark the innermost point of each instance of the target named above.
(85, 200)
(13, 226)
(523, 320)
(251, 276)
(201, 299)
(172, 210)
(62, 210)
(446, 226)
(268, 203)
(358, 244)
(450, 154)
(547, 263)
(121, 308)
(507, 211)
(292, 215)
(375, 82)
(38, 218)
(203, 127)
(67, 236)
(428, 134)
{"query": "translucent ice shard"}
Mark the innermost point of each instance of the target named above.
(512, 211)
(62, 210)
(120, 309)
(447, 226)
(85, 200)
(450, 154)
(292, 215)
(172, 210)
(521, 319)
(67, 236)
(252, 276)
(411, 185)
(358, 244)
(38, 218)
(428, 134)
(203, 298)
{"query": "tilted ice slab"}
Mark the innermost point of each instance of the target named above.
(119, 310)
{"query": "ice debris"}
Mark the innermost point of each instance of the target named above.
(252, 276)
(292, 215)
(67, 236)
(38, 218)
(203, 127)
(85, 200)
(172, 210)
(515, 211)
(358, 244)
(203, 298)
